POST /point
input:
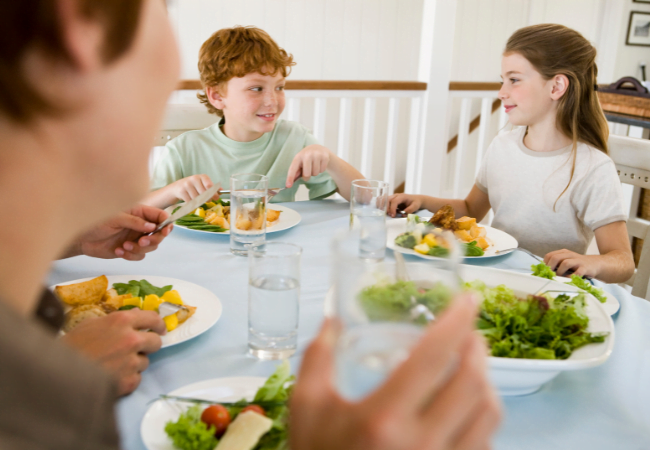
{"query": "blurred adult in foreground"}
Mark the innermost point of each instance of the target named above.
(83, 86)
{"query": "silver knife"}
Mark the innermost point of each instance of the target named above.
(188, 207)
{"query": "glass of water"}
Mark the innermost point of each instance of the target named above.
(273, 298)
(368, 204)
(382, 311)
(248, 193)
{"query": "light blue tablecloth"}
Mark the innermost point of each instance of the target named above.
(607, 407)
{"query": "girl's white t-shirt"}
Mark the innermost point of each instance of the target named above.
(523, 185)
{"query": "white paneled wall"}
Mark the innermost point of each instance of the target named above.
(329, 39)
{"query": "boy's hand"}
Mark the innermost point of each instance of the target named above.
(189, 187)
(311, 161)
(561, 261)
(408, 203)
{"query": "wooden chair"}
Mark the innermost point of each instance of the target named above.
(632, 159)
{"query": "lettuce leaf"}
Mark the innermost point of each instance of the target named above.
(189, 433)
(542, 270)
(579, 282)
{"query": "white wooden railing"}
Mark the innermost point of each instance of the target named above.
(185, 113)
(310, 102)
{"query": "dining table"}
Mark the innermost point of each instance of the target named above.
(605, 407)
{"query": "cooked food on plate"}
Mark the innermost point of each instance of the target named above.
(473, 237)
(215, 217)
(92, 298)
(532, 326)
(259, 424)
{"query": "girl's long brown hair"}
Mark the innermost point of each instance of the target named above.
(557, 50)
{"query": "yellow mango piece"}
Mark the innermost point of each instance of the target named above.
(463, 235)
(172, 297)
(430, 240)
(171, 322)
(199, 212)
(151, 302)
(135, 301)
(210, 204)
(482, 242)
(477, 232)
(466, 223)
(422, 248)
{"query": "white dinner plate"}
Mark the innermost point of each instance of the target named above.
(288, 219)
(517, 376)
(208, 306)
(500, 240)
(152, 428)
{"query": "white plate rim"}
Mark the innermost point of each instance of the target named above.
(195, 325)
(491, 232)
(149, 421)
(294, 219)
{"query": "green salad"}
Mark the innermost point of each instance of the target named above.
(534, 327)
(196, 430)
(544, 271)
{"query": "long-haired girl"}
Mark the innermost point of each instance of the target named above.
(550, 181)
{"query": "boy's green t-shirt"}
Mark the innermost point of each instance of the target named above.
(211, 152)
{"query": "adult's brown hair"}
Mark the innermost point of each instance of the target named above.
(34, 24)
(557, 50)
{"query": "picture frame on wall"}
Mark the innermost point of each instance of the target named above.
(638, 29)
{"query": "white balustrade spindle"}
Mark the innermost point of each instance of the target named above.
(368, 136)
(391, 144)
(463, 133)
(345, 116)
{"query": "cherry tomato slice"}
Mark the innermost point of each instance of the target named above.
(218, 416)
(255, 408)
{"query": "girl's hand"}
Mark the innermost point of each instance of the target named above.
(189, 187)
(311, 161)
(408, 203)
(561, 261)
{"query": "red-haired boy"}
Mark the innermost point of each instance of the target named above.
(243, 74)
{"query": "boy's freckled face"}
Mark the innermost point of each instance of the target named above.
(525, 93)
(252, 105)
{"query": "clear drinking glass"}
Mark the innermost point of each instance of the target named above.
(368, 204)
(248, 192)
(381, 314)
(273, 298)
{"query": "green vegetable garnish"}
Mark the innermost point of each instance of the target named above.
(126, 307)
(471, 249)
(406, 240)
(140, 288)
(189, 433)
(542, 270)
(579, 282)
(439, 251)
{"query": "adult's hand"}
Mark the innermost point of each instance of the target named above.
(439, 398)
(122, 236)
(120, 343)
